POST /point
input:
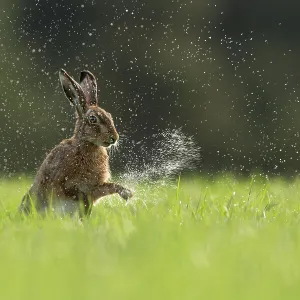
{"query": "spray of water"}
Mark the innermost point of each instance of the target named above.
(152, 164)
(169, 153)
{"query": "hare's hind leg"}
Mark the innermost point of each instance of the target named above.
(111, 188)
(33, 202)
(25, 206)
(28, 204)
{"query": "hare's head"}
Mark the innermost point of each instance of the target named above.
(94, 124)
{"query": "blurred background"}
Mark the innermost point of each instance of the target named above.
(225, 72)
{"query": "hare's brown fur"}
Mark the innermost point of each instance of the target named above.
(77, 170)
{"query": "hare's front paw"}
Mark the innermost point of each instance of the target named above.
(125, 193)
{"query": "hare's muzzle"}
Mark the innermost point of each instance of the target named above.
(113, 139)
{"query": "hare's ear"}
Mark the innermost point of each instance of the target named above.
(73, 92)
(89, 86)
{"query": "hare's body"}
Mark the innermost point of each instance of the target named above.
(75, 173)
(59, 179)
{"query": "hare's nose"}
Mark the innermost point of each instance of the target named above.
(112, 140)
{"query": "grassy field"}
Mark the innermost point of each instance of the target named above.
(222, 238)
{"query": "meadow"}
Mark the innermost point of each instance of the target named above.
(194, 238)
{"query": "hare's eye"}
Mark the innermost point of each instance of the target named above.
(93, 119)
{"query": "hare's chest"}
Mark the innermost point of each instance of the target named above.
(89, 181)
(89, 175)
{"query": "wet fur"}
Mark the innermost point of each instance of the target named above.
(76, 172)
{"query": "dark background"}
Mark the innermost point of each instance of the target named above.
(226, 72)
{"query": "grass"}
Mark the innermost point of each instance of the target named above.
(221, 238)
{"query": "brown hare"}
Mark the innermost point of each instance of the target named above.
(75, 173)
